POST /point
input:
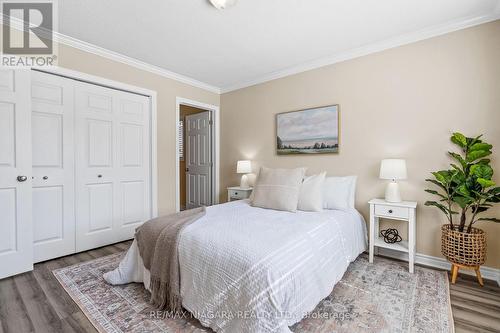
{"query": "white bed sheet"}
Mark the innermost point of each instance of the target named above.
(248, 269)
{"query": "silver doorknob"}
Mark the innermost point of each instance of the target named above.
(21, 178)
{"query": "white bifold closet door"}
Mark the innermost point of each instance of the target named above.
(52, 128)
(113, 171)
(16, 237)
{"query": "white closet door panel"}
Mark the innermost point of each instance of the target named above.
(7, 81)
(113, 168)
(47, 131)
(98, 101)
(8, 237)
(133, 108)
(100, 204)
(53, 166)
(16, 235)
(48, 222)
(99, 137)
(95, 216)
(134, 168)
(7, 134)
(132, 145)
(97, 204)
(134, 202)
(44, 91)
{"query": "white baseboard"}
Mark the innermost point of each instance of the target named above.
(441, 263)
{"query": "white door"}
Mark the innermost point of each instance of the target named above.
(198, 145)
(134, 163)
(113, 190)
(52, 126)
(16, 235)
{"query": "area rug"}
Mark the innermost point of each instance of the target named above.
(378, 297)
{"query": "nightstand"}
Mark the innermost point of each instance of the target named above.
(403, 211)
(238, 193)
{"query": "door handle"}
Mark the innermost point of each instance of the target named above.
(21, 178)
(187, 169)
(45, 177)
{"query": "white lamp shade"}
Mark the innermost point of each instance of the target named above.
(393, 169)
(244, 167)
(221, 4)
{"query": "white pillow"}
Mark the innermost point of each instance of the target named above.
(311, 193)
(339, 192)
(278, 188)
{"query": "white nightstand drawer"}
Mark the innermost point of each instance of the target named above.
(237, 194)
(392, 211)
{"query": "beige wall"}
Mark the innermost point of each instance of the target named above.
(403, 102)
(167, 91)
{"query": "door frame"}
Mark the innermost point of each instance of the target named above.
(215, 113)
(151, 94)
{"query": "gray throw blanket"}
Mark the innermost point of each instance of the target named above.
(158, 240)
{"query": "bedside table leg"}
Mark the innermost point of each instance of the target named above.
(479, 277)
(454, 273)
(411, 240)
(372, 233)
(411, 262)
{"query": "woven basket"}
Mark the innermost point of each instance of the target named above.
(463, 248)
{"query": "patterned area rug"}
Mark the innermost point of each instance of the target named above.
(379, 297)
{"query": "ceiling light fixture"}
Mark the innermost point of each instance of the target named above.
(221, 4)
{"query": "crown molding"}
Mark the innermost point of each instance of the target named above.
(371, 48)
(97, 50)
(105, 53)
(318, 63)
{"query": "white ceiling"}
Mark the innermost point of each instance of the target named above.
(257, 40)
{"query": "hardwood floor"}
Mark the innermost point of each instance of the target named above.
(475, 309)
(36, 302)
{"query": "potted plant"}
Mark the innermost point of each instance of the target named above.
(465, 192)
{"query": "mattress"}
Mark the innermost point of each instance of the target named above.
(248, 269)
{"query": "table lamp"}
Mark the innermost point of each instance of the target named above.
(244, 167)
(393, 169)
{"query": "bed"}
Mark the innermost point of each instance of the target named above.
(248, 269)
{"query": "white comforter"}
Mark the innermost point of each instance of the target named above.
(247, 269)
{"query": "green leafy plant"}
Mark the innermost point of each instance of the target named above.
(468, 185)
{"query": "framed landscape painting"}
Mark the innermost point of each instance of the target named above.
(309, 131)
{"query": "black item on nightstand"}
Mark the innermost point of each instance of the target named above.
(391, 236)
